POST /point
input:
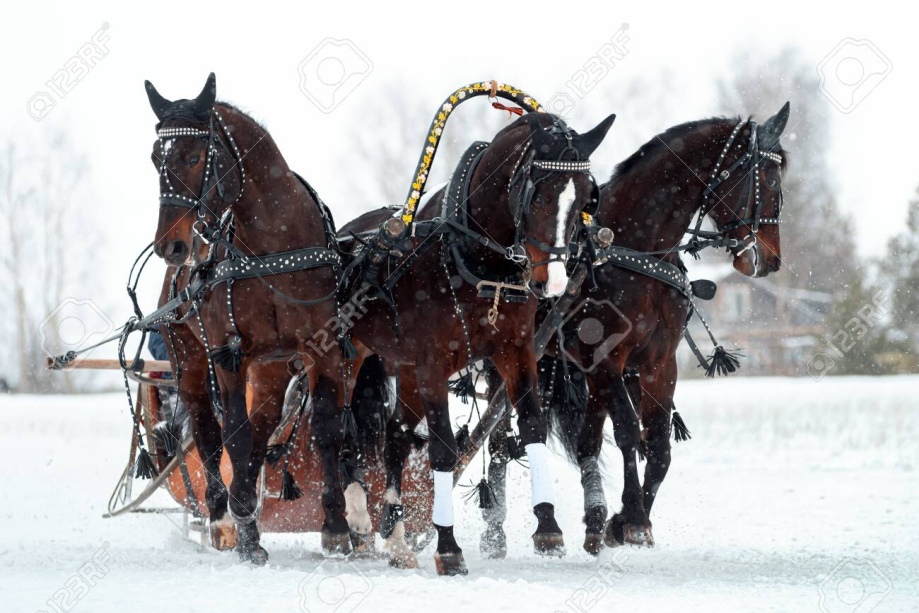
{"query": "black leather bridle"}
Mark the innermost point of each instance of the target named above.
(525, 181)
(749, 208)
(212, 178)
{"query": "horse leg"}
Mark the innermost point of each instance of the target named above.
(361, 398)
(590, 439)
(656, 409)
(268, 382)
(493, 542)
(325, 388)
(237, 439)
(208, 439)
(631, 524)
(517, 366)
(443, 455)
(399, 442)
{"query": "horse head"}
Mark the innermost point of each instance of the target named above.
(747, 204)
(545, 167)
(195, 156)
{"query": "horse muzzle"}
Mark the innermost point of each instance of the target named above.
(175, 252)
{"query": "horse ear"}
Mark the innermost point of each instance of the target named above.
(770, 132)
(204, 103)
(157, 102)
(588, 142)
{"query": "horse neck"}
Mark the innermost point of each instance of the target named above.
(271, 216)
(651, 206)
(488, 209)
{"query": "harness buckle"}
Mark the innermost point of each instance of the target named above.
(747, 246)
(516, 253)
(203, 232)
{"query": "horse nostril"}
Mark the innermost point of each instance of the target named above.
(773, 264)
(175, 252)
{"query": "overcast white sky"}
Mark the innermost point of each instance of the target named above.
(255, 49)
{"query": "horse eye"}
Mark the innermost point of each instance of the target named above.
(772, 183)
(194, 160)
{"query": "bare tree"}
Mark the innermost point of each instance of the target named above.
(392, 131)
(818, 241)
(45, 230)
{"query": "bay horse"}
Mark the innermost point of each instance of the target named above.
(525, 190)
(189, 362)
(727, 169)
(222, 178)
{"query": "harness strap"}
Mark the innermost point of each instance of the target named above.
(649, 266)
(274, 264)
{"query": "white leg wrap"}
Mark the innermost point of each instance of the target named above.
(540, 478)
(356, 509)
(443, 499)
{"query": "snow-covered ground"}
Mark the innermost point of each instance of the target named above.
(792, 496)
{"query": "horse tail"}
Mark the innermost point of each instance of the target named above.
(565, 408)
(371, 403)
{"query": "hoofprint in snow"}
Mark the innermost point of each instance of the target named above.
(792, 495)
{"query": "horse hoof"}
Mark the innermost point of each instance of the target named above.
(336, 544)
(620, 533)
(257, 556)
(450, 564)
(549, 544)
(593, 543)
(362, 544)
(493, 543)
(223, 534)
(639, 536)
(405, 560)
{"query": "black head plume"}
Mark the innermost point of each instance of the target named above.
(196, 109)
(769, 133)
(548, 141)
(159, 104)
(588, 142)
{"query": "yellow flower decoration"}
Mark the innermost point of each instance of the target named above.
(460, 95)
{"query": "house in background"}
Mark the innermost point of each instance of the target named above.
(777, 328)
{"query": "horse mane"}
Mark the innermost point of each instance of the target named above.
(659, 144)
(246, 114)
(543, 119)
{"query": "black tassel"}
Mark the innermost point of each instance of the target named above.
(515, 449)
(275, 453)
(144, 467)
(575, 396)
(680, 431)
(463, 387)
(229, 357)
(167, 435)
(289, 489)
(483, 495)
(348, 350)
(642, 454)
(348, 424)
(463, 440)
(722, 362)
